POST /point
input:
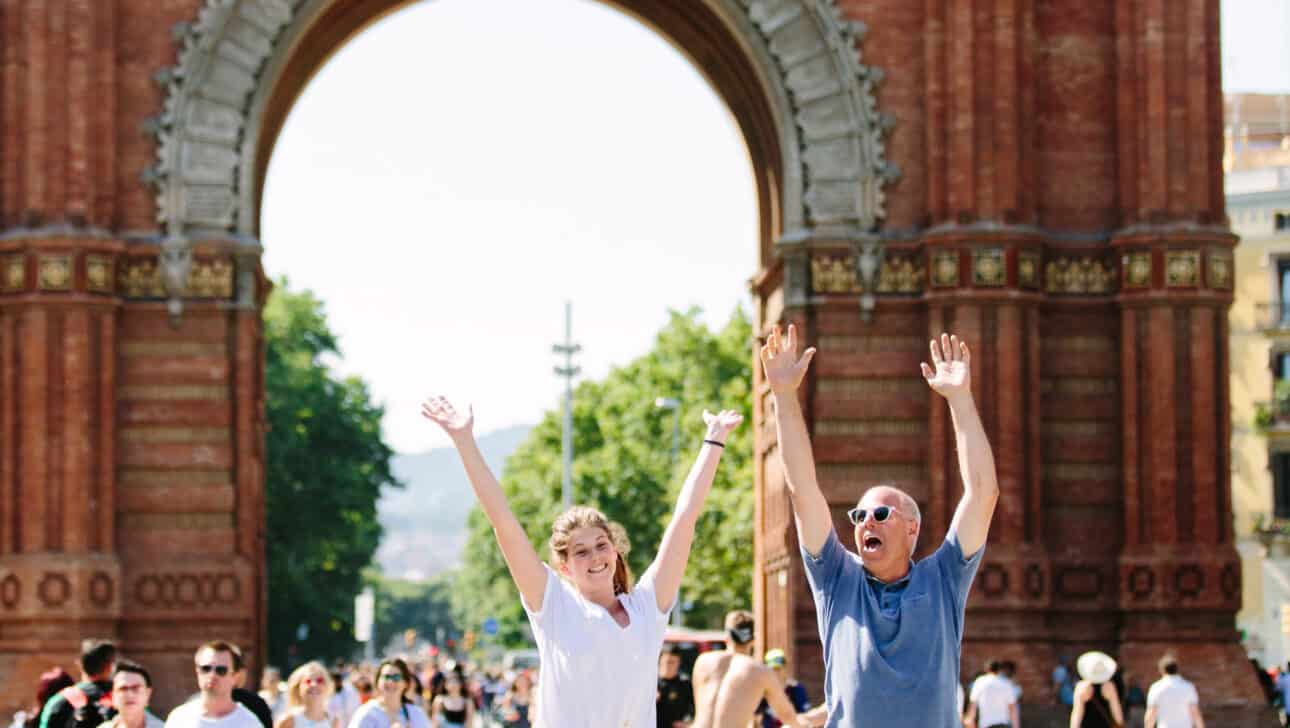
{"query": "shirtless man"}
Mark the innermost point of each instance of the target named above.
(728, 685)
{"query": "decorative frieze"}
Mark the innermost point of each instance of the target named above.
(1065, 275)
(1137, 270)
(13, 275)
(98, 274)
(1028, 264)
(54, 272)
(209, 278)
(1220, 270)
(1182, 269)
(945, 269)
(989, 267)
(837, 274)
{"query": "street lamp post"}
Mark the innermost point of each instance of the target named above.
(673, 404)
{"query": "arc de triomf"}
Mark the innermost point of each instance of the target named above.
(1043, 178)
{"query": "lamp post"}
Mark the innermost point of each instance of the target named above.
(673, 404)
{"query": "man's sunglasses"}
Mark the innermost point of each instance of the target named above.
(220, 670)
(880, 514)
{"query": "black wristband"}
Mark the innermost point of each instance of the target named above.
(714, 442)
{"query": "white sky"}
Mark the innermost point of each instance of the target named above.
(462, 167)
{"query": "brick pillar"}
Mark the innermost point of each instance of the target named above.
(60, 576)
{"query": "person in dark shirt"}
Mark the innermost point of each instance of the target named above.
(89, 702)
(675, 694)
(250, 698)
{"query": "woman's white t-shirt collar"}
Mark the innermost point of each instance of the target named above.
(595, 673)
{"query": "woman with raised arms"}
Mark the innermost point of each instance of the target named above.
(598, 636)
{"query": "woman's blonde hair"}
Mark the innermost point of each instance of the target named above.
(295, 683)
(585, 517)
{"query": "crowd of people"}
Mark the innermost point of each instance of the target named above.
(114, 692)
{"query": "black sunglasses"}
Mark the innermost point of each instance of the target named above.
(880, 514)
(220, 670)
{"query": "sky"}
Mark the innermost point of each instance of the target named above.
(462, 168)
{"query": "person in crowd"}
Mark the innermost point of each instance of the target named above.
(217, 664)
(993, 701)
(362, 685)
(51, 681)
(1172, 701)
(891, 629)
(272, 692)
(1063, 682)
(795, 691)
(89, 702)
(675, 701)
(250, 698)
(1096, 702)
(454, 708)
(392, 705)
(309, 691)
(589, 621)
(729, 684)
(344, 700)
(131, 692)
(515, 704)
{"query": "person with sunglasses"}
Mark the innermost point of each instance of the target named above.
(217, 664)
(308, 690)
(391, 707)
(891, 628)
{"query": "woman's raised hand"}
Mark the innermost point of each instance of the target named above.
(721, 424)
(440, 411)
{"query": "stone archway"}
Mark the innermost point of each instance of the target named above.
(811, 102)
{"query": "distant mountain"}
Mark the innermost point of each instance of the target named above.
(425, 522)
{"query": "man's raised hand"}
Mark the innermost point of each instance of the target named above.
(784, 370)
(442, 413)
(950, 374)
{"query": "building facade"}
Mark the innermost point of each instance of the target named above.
(1257, 185)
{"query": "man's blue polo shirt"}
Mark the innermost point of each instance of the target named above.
(891, 651)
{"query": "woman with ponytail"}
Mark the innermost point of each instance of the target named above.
(598, 634)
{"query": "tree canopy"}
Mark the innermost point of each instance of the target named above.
(325, 465)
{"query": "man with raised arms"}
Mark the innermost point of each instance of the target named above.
(891, 629)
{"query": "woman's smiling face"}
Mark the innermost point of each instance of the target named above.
(591, 560)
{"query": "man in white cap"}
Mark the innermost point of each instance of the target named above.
(892, 629)
(1172, 701)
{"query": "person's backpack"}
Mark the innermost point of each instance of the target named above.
(91, 706)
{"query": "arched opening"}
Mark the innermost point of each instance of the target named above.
(692, 28)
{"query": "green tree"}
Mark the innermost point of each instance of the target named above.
(424, 606)
(622, 446)
(325, 465)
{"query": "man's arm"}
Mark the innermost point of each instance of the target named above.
(950, 376)
(969, 718)
(1149, 720)
(1197, 720)
(1014, 714)
(784, 373)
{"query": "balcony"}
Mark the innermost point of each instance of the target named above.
(1272, 316)
(1274, 416)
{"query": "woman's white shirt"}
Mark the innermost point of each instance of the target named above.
(594, 673)
(372, 715)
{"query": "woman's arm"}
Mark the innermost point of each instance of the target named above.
(525, 566)
(286, 721)
(674, 552)
(1082, 694)
(1113, 698)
